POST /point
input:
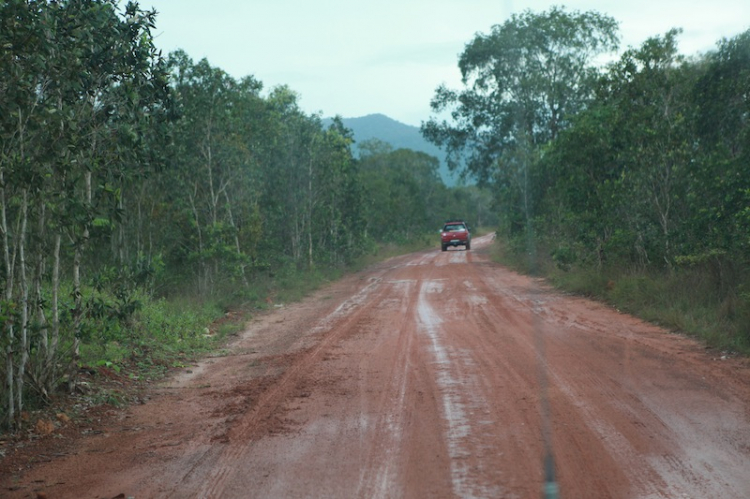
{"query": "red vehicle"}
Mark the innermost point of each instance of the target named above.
(455, 233)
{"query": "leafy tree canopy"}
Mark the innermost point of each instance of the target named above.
(523, 81)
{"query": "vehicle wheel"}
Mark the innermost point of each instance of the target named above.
(445, 247)
(468, 246)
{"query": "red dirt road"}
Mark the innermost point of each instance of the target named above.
(424, 377)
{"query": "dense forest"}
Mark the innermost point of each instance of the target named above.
(136, 187)
(628, 180)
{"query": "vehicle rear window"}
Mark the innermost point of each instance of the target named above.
(453, 228)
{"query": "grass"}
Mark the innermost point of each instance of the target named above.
(171, 332)
(687, 300)
(162, 334)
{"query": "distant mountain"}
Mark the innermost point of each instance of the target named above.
(398, 135)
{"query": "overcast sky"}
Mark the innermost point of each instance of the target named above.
(358, 57)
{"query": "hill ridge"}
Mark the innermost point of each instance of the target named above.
(399, 135)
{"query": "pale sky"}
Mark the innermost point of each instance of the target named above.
(359, 57)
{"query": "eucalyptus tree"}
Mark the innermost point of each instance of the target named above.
(111, 85)
(405, 195)
(650, 87)
(70, 68)
(291, 191)
(722, 181)
(310, 195)
(523, 82)
(213, 166)
(342, 210)
(20, 37)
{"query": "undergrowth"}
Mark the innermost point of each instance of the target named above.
(688, 299)
(171, 332)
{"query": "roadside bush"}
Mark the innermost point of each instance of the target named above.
(158, 332)
(703, 297)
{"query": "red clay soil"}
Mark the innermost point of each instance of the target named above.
(436, 374)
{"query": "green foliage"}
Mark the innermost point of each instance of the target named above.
(524, 82)
(634, 174)
(403, 191)
(160, 334)
(180, 324)
(82, 93)
(638, 176)
(564, 257)
(128, 182)
(405, 197)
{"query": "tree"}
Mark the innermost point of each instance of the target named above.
(213, 167)
(405, 196)
(621, 172)
(650, 88)
(78, 77)
(523, 82)
(722, 123)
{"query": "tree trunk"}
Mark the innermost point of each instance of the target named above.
(139, 245)
(121, 256)
(52, 351)
(23, 282)
(41, 373)
(202, 265)
(80, 246)
(10, 333)
(310, 207)
(236, 239)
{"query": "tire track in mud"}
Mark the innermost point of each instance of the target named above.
(604, 414)
(332, 327)
(485, 384)
(377, 477)
(458, 397)
(467, 354)
(387, 460)
(383, 418)
(378, 474)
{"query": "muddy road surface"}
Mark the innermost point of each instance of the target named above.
(432, 375)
